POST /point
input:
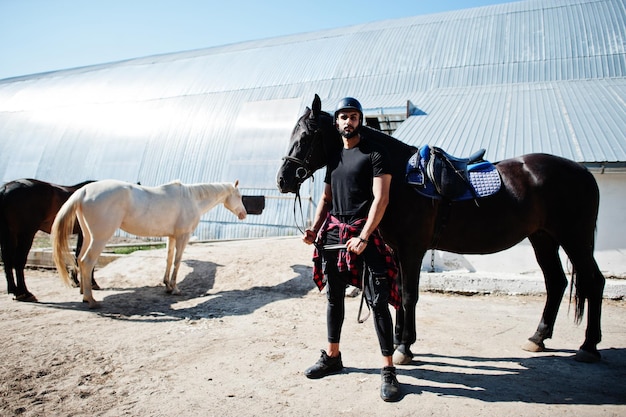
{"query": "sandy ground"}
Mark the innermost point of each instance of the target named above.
(248, 323)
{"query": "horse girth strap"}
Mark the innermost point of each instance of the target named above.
(441, 221)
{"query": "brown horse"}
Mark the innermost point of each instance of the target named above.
(550, 200)
(26, 206)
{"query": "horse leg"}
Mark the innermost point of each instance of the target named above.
(22, 293)
(181, 243)
(7, 259)
(86, 264)
(588, 351)
(73, 272)
(547, 254)
(590, 286)
(171, 243)
(8, 273)
(21, 256)
(405, 332)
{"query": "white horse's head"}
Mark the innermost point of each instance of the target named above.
(234, 203)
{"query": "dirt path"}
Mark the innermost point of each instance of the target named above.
(249, 322)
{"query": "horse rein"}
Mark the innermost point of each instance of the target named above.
(298, 202)
(364, 274)
(302, 173)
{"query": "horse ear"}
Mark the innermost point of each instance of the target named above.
(316, 106)
(236, 183)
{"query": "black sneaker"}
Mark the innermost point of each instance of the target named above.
(324, 366)
(389, 386)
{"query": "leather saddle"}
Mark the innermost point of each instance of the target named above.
(436, 174)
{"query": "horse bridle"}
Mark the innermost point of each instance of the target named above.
(303, 171)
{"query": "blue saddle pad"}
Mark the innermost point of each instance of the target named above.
(483, 177)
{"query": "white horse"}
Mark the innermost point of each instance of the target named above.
(171, 210)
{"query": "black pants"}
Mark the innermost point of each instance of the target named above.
(376, 290)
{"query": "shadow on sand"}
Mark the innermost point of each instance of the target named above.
(153, 304)
(548, 378)
(552, 377)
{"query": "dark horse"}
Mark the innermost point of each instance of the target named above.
(26, 206)
(550, 200)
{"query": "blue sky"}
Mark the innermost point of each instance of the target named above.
(46, 35)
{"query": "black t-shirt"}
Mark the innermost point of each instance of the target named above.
(350, 174)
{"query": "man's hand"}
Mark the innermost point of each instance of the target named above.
(309, 236)
(356, 245)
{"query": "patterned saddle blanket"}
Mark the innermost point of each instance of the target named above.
(435, 173)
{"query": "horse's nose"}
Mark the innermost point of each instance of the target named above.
(285, 186)
(281, 184)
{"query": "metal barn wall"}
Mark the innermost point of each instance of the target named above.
(513, 78)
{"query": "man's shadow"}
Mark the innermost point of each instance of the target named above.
(542, 379)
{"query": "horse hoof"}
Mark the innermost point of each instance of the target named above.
(26, 298)
(586, 356)
(93, 304)
(400, 358)
(172, 290)
(531, 346)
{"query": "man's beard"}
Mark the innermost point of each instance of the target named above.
(350, 135)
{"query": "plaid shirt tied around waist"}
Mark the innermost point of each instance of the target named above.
(351, 262)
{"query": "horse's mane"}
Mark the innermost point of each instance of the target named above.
(395, 146)
(199, 191)
(206, 190)
(399, 152)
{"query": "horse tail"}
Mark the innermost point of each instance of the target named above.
(582, 284)
(579, 301)
(62, 229)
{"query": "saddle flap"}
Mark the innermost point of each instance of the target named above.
(448, 173)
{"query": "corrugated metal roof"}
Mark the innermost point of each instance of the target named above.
(514, 78)
(580, 120)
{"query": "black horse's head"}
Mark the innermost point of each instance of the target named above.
(308, 148)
